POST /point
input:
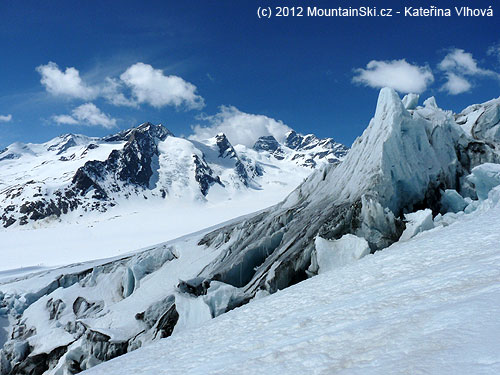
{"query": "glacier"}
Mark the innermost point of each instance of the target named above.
(424, 306)
(398, 173)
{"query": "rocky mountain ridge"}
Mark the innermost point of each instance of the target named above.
(82, 174)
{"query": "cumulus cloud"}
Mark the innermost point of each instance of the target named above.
(398, 74)
(239, 127)
(456, 84)
(86, 114)
(65, 83)
(460, 67)
(459, 61)
(139, 84)
(5, 118)
(151, 86)
(112, 91)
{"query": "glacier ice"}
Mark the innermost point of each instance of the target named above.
(410, 101)
(223, 297)
(485, 177)
(328, 255)
(417, 222)
(451, 201)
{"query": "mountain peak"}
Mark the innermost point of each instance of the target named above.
(225, 147)
(155, 131)
(266, 143)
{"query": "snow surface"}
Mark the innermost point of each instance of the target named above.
(429, 305)
(125, 229)
(338, 253)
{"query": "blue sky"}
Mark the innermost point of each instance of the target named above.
(178, 62)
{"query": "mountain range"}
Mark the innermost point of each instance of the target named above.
(76, 174)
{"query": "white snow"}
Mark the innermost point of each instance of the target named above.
(193, 312)
(429, 305)
(338, 253)
(120, 231)
(417, 222)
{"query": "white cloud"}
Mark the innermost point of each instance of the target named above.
(5, 118)
(494, 50)
(112, 92)
(459, 61)
(86, 114)
(239, 127)
(151, 86)
(398, 74)
(147, 85)
(456, 84)
(460, 67)
(65, 119)
(67, 83)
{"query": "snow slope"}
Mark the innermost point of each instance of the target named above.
(426, 306)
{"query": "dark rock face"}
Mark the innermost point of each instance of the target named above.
(204, 175)
(9, 156)
(67, 141)
(271, 145)
(130, 166)
(294, 140)
(266, 143)
(226, 150)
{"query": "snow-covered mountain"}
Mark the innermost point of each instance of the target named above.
(415, 168)
(75, 174)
